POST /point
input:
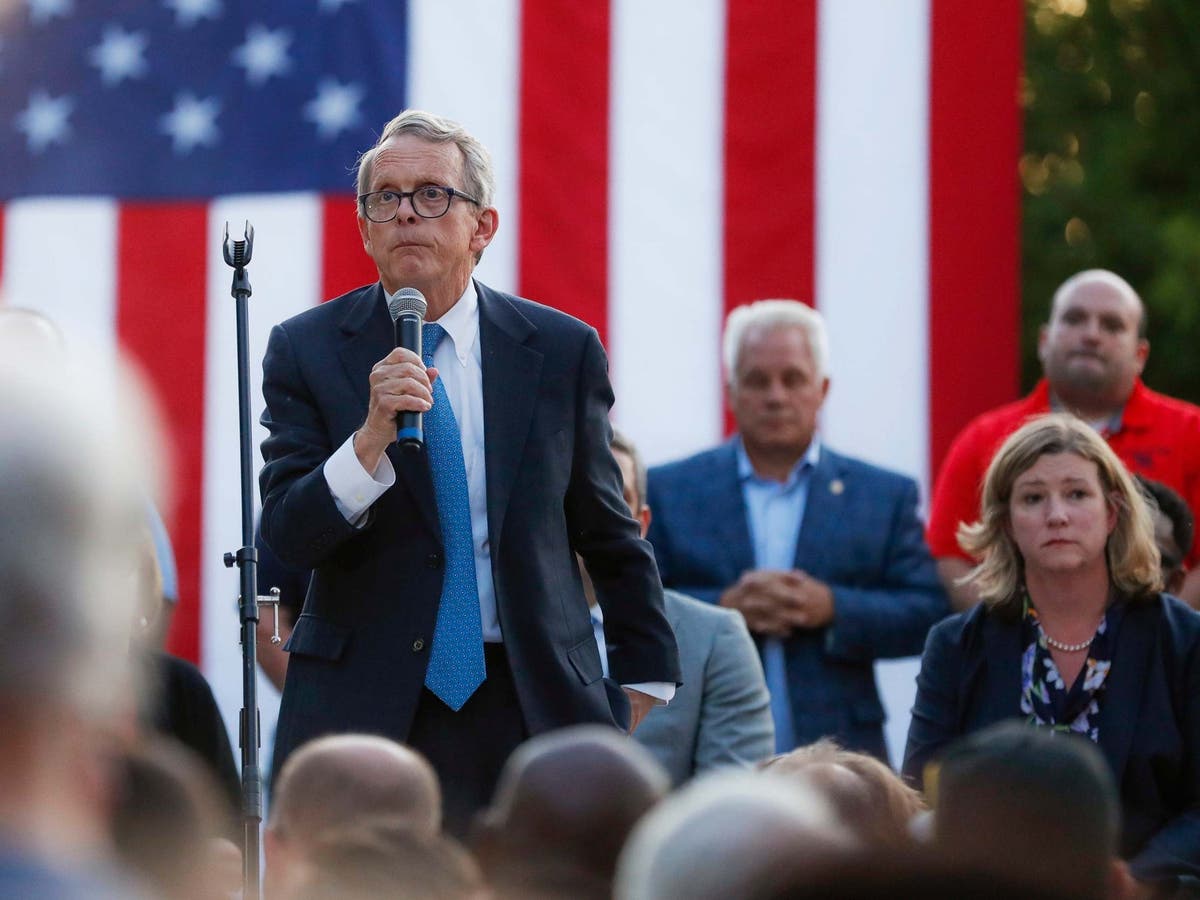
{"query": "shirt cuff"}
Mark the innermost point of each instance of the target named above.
(353, 488)
(662, 691)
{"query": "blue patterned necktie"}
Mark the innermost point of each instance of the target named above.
(456, 666)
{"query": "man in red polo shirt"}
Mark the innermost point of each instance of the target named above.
(1092, 350)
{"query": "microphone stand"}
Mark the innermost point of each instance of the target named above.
(237, 255)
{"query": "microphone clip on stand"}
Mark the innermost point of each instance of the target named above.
(237, 255)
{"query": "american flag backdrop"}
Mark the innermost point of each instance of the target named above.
(658, 162)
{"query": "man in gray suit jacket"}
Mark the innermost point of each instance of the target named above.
(721, 716)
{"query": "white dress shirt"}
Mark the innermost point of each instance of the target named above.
(458, 359)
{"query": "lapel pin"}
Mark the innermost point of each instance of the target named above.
(836, 487)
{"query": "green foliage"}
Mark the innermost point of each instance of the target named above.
(1111, 169)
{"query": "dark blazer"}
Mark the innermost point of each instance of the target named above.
(186, 711)
(361, 645)
(1149, 717)
(860, 534)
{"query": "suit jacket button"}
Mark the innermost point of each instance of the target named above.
(434, 560)
(418, 645)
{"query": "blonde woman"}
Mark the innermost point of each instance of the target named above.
(1075, 635)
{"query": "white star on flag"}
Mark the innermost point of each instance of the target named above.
(44, 120)
(334, 108)
(332, 6)
(192, 122)
(42, 11)
(120, 55)
(264, 53)
(189, 12)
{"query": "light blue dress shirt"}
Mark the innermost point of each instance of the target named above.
(774, 513)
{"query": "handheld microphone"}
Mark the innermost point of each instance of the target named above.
(407, 309)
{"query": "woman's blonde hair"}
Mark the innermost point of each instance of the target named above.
(1131, 553)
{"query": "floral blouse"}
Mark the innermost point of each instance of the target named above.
(1045, 697)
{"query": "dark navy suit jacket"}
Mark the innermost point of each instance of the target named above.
(860, 534)
(360, 647)
(1149, 717)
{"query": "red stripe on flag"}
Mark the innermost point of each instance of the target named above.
(345, 265)
(563, 147)
(161, 322)
(770, 149)
(974, 214)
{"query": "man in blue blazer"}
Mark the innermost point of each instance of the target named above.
(823, 554)
(445, 607)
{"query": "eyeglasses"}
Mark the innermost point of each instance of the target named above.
(430, 201)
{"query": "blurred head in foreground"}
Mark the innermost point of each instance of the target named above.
(564, 805)
(167, 824)
(1013, 798)
(78, 457)
(868, 796)
(336, 781)
(375, 858)
(729, 835)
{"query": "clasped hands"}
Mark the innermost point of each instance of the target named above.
(774, 601)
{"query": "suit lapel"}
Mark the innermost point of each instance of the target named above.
(369, 337)
(512, 372)
(1123, 689)
(728, 512)
(821, 508)
(1002, 682)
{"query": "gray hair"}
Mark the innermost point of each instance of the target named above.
(685, 847)
(622, 444)
(478, 179)
(69, 536)
(771, 314)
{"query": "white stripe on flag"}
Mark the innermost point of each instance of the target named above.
(463, 63)
(872, 256)
(285, 275)
(872, 190)
(60, 257)
(665, 225)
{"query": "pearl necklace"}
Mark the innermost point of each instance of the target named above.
(1070, 648)
(1067, 648)
(1059, 645)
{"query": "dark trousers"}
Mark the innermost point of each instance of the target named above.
(468, 748)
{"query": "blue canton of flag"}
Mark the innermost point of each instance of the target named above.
(193, 98)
